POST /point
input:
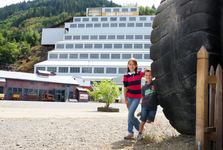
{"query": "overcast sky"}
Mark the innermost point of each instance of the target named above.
(121, 2)
(139, 2)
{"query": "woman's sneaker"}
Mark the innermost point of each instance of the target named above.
(129, 136)
(140, 136)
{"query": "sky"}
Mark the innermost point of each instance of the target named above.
(121, 2)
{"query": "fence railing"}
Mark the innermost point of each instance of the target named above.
(209, 114)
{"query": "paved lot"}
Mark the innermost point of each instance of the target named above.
(54, 125)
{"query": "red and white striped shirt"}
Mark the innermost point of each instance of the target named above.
(133, 83)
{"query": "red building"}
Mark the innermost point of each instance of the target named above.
(25, 84)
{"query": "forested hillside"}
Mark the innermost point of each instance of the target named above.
(21, 24)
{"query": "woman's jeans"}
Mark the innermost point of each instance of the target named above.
(132, 120)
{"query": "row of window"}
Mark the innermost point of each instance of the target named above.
(93, 19)
(99, 56)
(120, 9)
(107, 37)
(44, 83)
(106, 25)
(16, 90)
(26, 91)
(96, 70)
(105, 46)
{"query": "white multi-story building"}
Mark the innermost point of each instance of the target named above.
(99, 45)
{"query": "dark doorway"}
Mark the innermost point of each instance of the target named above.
(1, 89)
(59, 95)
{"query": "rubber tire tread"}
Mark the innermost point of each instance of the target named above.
(180, 28)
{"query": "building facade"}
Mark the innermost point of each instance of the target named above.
(24, 84)
(99, 45)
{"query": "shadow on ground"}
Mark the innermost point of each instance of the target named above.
(181, 142)
(123, 144)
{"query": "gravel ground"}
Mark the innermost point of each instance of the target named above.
(50, 125)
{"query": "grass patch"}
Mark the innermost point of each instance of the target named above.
(156, 132)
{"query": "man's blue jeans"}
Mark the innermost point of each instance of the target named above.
(132, 120)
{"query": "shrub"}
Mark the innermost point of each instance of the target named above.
(106, 90)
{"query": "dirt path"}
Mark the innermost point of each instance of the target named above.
(50, 125)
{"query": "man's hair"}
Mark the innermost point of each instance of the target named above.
(147, 70)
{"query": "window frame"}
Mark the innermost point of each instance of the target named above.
(45, 83)
(88, 70)
(100, 68)
(105, 57)
(54, 68)
(63, 70)
(73, 55)
(83, 56)
(113, 56)
(108, 70)
(75, 69)
(53, 56)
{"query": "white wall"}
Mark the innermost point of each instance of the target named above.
(82, 82)
(51, 35)
(110, 30)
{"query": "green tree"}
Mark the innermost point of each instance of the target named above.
(146, 10)
(32, 37)
(25, 49)
(9, 53)
(21, 24)
(131, 5)
(2, 40)
(106, 90)
(149, 11)
(153, 7)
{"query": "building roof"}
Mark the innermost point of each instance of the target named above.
(99, 51)
(2, 80)
(81, 89)
(99, 78)
(106, 41)
(36, 77)
(91, 63)
(44, 72)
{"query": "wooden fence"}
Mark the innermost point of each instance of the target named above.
(209, 115)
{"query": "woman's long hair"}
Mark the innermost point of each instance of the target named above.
(135, 62)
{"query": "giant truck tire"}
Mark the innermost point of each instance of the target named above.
(180, 28)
